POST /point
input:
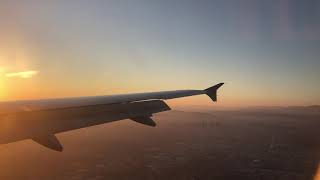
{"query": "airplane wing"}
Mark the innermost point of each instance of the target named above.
(40, 120)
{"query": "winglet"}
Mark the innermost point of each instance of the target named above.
(212, 91)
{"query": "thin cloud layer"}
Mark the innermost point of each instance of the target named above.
(22, 74)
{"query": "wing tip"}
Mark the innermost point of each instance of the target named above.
(215, 87)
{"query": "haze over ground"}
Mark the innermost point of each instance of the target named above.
(249, 144)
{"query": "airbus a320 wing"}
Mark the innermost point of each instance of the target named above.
(40, 120)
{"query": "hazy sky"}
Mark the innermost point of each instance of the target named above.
(267, 52)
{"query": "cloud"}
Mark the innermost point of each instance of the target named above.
(2, 69)
(22, 74)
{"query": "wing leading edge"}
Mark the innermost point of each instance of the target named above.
(45, 104)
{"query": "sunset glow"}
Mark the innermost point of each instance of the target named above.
(159, 89)
(24, 74)
(86, 51)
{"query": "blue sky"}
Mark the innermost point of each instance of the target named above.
(266, 51)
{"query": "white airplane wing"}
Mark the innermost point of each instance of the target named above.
(40, 120)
